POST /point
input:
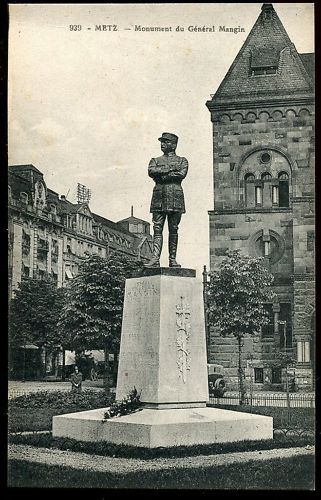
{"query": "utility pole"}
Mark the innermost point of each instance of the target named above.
(24, 362)
(288, 403)
(250, 364)
(207, 334)
(283, 323)
(83, 194)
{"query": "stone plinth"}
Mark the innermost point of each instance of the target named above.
(150, 428)
(163, 350)
(163, 355)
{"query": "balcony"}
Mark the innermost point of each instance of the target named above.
(54, 258)
(43, 246)
(25, 248)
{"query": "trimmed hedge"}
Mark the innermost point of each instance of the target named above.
(34, 412)
(85, 400)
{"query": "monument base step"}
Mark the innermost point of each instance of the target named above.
(150, 428)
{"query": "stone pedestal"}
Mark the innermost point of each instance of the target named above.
(163, 351)
(165, 428)
(163, 355)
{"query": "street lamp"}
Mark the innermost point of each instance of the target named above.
(284, 331)
(250, 365)
(286, 371)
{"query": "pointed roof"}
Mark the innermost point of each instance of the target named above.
(267, 47)
(133, 220)
(18, 169)
(309, 64)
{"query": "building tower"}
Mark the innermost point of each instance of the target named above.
(263, 139)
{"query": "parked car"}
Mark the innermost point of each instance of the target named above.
(216, 384)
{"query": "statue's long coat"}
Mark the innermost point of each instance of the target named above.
(168, 171)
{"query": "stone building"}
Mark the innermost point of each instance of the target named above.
(50, 236)
(264, 154)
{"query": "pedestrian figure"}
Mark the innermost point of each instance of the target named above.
(76, 380)
(93, 373)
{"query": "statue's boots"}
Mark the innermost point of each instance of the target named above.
(172, 248)
(157, 249)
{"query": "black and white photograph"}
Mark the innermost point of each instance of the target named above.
(161, 246)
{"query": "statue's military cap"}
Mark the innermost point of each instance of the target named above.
(168, 136)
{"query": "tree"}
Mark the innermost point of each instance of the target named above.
(236, 292)
(285, 360)
(33, 315)
(92, 313)
(34, 312)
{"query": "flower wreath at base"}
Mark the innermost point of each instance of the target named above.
(129, 404)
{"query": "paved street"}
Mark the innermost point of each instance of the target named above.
(18, 388)
(100, 463)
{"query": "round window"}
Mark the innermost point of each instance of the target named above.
(272, 248)
(265, 157)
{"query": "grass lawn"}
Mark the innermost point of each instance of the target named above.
(104, 448)
(303, 418)
(34, 412)
(33, 419)
(295, 473)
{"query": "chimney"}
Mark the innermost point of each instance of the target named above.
(267, 6)
(132, 211)
(267, 11)
(63, 197)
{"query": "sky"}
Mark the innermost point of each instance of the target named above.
(88, 106)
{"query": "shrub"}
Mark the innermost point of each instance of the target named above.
(130, 404)
(85, 400)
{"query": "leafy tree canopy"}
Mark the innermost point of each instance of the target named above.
(92, 313)
(236, 293)
(34, 312)
(283, 360)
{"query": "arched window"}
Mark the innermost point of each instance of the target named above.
(249, 190)
(283, 189)
(53, 208)
(266, 178)
(24, 197)
(258, 196)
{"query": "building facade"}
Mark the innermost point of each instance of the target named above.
(264, 154)
(49, 237)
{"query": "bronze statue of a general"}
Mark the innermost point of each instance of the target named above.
(167, 171)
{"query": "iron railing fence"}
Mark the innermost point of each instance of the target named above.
(297, 400)
(277, 400)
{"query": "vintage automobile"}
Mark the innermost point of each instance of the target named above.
(216, 382)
